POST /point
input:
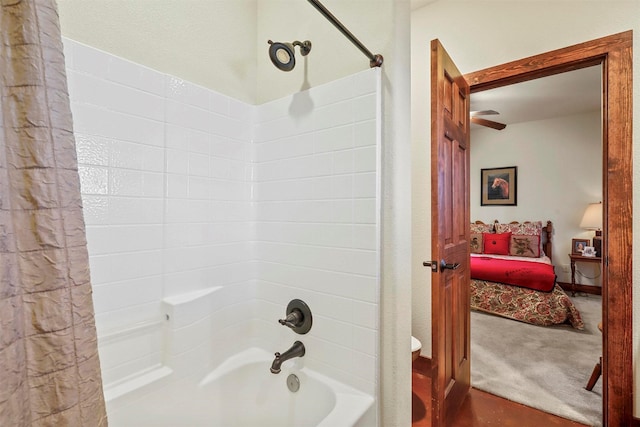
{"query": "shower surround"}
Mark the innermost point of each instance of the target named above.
(188, 193)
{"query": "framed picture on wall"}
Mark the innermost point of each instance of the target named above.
(499, 186)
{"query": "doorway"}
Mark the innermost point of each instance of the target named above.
(553, 136)
(614, 55)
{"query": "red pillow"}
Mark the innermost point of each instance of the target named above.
(496, 243)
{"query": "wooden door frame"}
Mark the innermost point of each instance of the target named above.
(614, 54)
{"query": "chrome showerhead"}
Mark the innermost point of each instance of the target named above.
(283, 55)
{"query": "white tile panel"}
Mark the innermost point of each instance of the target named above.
(176, 137)
(224, 105)
(336, 91)
(127, 293)
(153, 184)
(177, 186)
(364, 237)
(342, 211)
(198, 164)
(364, 211)
(365, 159)
(135, 210)
(136, 76)
(333, 115)
(93, 150)
(125, 318)
(126, 182)
(94, 179)
(364, 134)
(334, 139)
(176, 89)
(89, 60)
(365, 108)
(199, 142)
(364, 184)
(95, 209)
(177, 161)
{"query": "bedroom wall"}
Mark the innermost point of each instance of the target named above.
(547, 188)
(489, 33)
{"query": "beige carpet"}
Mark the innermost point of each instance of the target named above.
(542, 367)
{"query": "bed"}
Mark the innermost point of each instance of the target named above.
(512, 274)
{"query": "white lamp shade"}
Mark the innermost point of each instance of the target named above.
(592, 219)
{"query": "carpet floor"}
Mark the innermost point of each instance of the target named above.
(543, 367)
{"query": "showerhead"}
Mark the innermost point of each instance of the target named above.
(283, 55)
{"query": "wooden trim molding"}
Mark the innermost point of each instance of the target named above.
(614, 55)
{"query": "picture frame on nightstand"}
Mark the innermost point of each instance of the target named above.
(578, 245)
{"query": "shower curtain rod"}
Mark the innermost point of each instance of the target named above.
(374, 60)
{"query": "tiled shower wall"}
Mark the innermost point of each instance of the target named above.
(163, 167)
(315, 195)
(185, 189)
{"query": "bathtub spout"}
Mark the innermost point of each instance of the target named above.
(296, 350)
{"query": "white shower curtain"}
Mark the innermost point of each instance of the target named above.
(49, 366)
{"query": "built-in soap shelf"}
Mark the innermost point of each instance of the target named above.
(189, 307)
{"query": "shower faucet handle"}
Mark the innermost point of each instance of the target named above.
(298, 317)
(293, 319)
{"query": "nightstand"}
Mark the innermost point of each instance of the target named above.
(579, 258)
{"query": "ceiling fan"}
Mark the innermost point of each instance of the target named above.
(484, 122)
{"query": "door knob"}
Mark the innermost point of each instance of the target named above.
(445, 266)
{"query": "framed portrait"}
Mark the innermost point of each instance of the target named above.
(578, 245)
(499, 186)
(589, 251)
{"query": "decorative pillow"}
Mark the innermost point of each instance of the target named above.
(523, 245)
(480, 227)
(496, 243)
(476, 243)
(527, 228)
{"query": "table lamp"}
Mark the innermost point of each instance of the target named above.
(592, 220)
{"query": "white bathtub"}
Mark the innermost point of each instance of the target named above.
(242, 392)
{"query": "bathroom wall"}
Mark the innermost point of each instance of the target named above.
(222, 45)
(210, 43)
(190, 194)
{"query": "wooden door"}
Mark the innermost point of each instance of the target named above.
(450, 236)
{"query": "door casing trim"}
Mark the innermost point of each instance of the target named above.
(614, 54)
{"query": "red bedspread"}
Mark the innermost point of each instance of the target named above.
(531, 275)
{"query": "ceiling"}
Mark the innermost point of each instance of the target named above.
(573, 92)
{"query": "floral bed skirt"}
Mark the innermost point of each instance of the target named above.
(525, 305)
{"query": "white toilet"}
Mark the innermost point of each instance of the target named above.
(416, 345)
